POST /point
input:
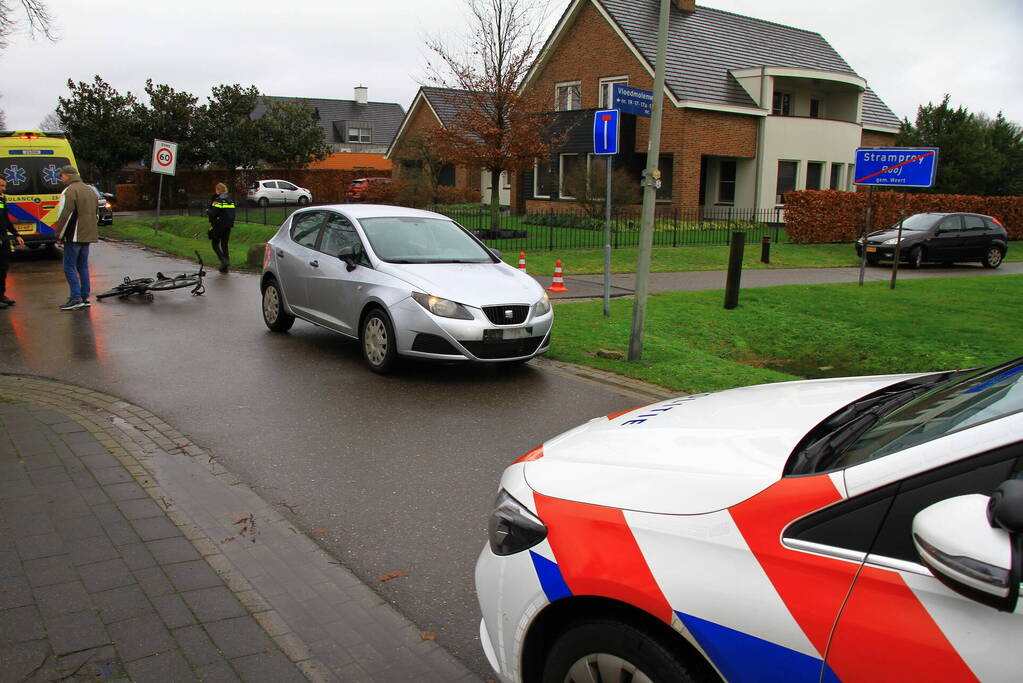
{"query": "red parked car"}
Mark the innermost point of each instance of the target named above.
(357, 190)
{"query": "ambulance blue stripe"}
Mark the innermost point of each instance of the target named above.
(18, 213)
(742, 657)
(551, 580)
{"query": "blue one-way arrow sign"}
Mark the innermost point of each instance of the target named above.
(605, 131)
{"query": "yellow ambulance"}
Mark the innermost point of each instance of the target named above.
(30, 162)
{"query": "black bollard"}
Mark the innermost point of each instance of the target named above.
(738, 243)
(765, 249)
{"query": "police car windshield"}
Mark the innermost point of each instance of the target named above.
(33, 174)
(411, 239)
(959, 404)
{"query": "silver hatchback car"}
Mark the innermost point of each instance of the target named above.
(404, 282)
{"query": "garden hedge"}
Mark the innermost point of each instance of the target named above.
(834, 216)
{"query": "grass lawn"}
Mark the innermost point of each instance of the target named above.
(692, 344)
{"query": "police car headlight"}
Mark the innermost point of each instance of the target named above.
(894, 240)
(512, 527)
(543, 306)
(445, 308)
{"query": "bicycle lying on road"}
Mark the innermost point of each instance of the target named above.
(145, 286)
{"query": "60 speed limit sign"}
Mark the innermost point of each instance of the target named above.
(165, 157)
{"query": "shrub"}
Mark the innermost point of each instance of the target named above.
(563, 220)
(380, 193)
(457, 195)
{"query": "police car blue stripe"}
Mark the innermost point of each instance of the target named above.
(551, 580)
(742, 657)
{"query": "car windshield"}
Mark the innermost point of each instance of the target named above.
(411, 239)
(918, 221)
(912, 413)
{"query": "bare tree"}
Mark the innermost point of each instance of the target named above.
(51, 123)
(498, 128)
(37, 15)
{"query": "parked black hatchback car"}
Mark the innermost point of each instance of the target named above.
(941, 237)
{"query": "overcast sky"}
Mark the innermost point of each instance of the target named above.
(910, 51)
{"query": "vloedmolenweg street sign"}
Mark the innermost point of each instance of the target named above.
(629, 100)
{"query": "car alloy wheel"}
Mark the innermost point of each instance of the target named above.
(993, 259)
(303, 200)
(263, 201)
(916, 257)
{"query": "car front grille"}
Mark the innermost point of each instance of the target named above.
(515, 348)
(431, 343)
(507, 315)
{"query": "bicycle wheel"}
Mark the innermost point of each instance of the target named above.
(174, 283)
(116, 291)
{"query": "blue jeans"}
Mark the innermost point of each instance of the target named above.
(76, 268)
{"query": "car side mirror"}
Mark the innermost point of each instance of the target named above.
(972, 544)
(350, 256)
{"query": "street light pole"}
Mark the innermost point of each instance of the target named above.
(650, 181)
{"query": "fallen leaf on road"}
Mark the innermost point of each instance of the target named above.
(395, 575)
(229, 538)
(428, 635)
(319, 530)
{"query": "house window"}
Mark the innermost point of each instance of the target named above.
(666, 165)
(446, 177)
(815, 109)
(850, 176)
(786, 179)
(568, 96)
(607, 88)
(359, 132)
(836, 177)
(814, 173)
(726, 182)
(781, 106)
(570, 164)
(544, 180)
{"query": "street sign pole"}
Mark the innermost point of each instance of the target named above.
(607, 239)
(159, 195)
(164, 162)
(649, 190)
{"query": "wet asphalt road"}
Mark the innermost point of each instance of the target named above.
(390, 474)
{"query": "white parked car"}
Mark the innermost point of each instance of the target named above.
(265, 192)
(404, 282)
(859, 529)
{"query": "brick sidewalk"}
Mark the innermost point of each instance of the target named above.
(127, 552)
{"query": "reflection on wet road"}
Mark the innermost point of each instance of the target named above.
(389, 473)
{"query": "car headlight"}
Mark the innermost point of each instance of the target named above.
(445, 308)
(512, 528)
(894, 240)
(543, 306)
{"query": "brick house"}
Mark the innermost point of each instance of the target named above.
(432, 109)
(753, 108)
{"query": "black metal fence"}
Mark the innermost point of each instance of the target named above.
(568, 228)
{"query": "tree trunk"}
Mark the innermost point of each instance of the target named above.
(495, 199)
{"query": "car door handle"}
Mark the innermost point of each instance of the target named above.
(280, 252)
(314, 263)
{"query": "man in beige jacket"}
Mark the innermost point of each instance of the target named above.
(76, 228)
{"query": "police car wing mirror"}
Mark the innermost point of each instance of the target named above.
(967, 553)
(349, 255)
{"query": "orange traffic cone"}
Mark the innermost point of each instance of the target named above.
(558, 283)
(522, 260)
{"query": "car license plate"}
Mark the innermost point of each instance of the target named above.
(507, 335)
(870, 249)
(25, 228)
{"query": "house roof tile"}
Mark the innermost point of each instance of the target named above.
(705, 45)
(386, 116)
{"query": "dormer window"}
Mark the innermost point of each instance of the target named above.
(359, 131)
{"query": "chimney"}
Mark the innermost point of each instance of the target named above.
(361, 94)
(688, 6)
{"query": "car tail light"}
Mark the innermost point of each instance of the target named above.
(997, 221)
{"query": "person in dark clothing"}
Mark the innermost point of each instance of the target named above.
(8, 233)
(221, 214)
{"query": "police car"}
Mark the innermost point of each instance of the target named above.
(856, 529)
